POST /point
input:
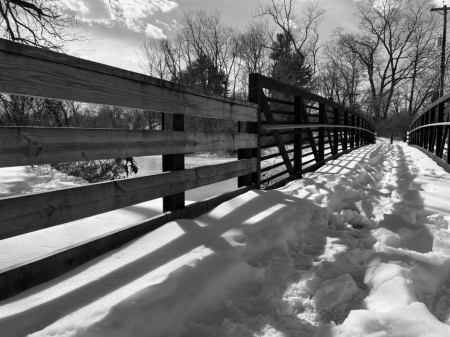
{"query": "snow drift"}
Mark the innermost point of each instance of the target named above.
(358, 248)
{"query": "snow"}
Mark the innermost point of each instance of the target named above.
(358, 248)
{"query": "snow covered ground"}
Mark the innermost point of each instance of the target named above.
(360, 247)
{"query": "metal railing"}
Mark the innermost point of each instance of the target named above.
(430, 129)
(307, 130)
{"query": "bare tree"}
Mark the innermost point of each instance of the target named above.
(37, 22)
(342, 74)
(390, 46)
(302, 31)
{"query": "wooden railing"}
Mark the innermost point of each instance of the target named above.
(310, 127)
(430, 129)
(30, 71)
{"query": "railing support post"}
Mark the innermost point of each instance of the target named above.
(173, 162)
(298, 141)
(322, 117)
(357, 136)
(432, 131)
(439, 132)
(352, 133)
(336, 130)
(345, 140)
(254, 96)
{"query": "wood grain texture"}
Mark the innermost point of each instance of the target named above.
(173, 162)
(31, 71)
(24, 214)
(32, 273)
(32, 145)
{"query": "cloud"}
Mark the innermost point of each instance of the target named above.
(172, 25)
(153, 31)
(90, 10)
(134, 11)
(167, 6)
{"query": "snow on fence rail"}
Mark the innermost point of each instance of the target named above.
(306, 122)
(31, 71)
(430, 130)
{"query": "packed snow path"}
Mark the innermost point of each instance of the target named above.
(359, 248)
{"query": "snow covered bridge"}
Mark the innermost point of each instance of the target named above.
(358, 246)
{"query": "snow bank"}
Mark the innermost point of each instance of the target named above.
(358, 248)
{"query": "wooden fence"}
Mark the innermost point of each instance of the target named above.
(308, 130)
(31, 71)
(430, 129)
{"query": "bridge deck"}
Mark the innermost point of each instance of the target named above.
(263, 255)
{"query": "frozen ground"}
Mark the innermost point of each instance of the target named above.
(359, 248)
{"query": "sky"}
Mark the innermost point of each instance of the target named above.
(116, 43)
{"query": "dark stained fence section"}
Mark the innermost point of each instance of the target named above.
(303, 129)
(430, 129)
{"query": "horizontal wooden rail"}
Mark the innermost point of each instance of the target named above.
(310, 126)
(31, 273)
(33, 145)
(280, 101)
(31, 71)
(272, 84)
(33, 212)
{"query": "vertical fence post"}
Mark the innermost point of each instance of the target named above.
(254, 96)
(440, 130)
(352, 133)
(427, 130)
(345, 140)
(173, 162)
(358, 132)
(363, 132)
(448, 145)
(432, 131)
(322, 118)
(298, 142)
(421, 131)
(336, 130)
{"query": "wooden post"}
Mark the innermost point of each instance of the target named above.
(422, 131)
(432, 131)
(336, 130)
(254, 96)
(321, 144)
(427, 130)
(352, 133)
(357, 131)
(448, 145)
(298, 106)
(345, 140)
(173, 162)
(440, 130)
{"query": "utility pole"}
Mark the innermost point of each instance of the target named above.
(444, 38)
